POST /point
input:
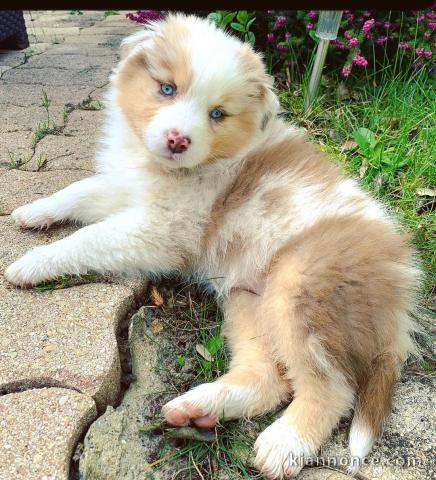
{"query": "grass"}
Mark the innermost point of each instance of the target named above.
(66, 281)
(48, 127)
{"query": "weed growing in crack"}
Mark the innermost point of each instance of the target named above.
(17, 161)
(48, 127)
(28, 54)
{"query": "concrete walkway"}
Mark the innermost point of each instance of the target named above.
(59, 360)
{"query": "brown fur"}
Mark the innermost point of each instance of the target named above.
(294, 154)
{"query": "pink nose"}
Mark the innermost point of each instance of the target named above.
(176, 142)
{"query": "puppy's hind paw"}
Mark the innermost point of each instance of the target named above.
(280, 452)
(31, 216)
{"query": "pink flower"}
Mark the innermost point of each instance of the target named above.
(431, 25)
(287, 35)
(366, 13)
(427, 35)
(346, 70)
(431, 15)
(280, 21)
(419, 51)
(347, 35)
(427, 53)
(144, 16)
(382, 40)
(270, 37)
(349, 17)
(312, 14)
(387, 25)
(403, 45)
(337, 43)
(309, 26)
(360, 61)
(353, 42)
(420, 18)
(368, 25)
(282, 48)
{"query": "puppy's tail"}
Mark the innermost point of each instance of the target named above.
(372, 407)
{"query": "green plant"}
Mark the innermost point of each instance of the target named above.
(17, 161)
(242, 25)
(76, 12)
(109, 13)
(48, 126)
(181, 360)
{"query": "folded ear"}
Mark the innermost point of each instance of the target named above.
(139, 39)
(261, 84)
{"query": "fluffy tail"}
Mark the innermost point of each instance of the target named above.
(372, 407)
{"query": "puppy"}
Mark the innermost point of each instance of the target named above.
(198, 174)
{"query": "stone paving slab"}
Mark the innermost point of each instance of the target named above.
(18, 187)
(39, 430)
(90, 75)
(91, 50)
(70, 61)
(28, 94)
(15, 146)
(26, 119)
(64, 152)
(62, 337)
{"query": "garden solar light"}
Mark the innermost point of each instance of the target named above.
(327, 30)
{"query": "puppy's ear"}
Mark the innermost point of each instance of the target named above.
(261, 84)
(141, 38)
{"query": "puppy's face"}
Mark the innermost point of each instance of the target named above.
(191, 93)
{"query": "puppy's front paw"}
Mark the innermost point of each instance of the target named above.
(27, 271)
(280, 452)
(206, 404)
(32, 215)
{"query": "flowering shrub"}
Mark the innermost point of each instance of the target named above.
(362, 34)
(365, 36)
(144, 16)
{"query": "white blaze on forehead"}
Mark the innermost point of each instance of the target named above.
(215, 60)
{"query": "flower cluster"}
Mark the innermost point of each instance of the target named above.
(144, 16)
(361, 34)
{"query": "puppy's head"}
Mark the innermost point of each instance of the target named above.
(190, 92)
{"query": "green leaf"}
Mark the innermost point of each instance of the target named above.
(250, 22)
(214, 17)
(215, 344)
(251, 38)
(242, 17)
(237, 27)
(365, 138)
(227, 19)
(313, 36)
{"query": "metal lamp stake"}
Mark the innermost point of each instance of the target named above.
(327, 30)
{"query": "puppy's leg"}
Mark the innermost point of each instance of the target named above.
(283, 448)
(124, 242)
(86, 201)
(303, 327)
(253, 384)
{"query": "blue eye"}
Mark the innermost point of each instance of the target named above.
(167, 89)
(216, 113)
